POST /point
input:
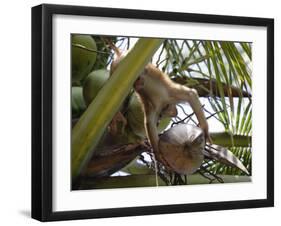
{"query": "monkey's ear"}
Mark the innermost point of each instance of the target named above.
(139, 84)
(146, 69)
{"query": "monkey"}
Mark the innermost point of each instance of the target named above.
(157, 91)
(159, 94)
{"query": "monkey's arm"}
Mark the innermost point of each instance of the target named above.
(150, 124)
(190, 95)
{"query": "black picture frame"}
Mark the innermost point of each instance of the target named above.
(42, 107)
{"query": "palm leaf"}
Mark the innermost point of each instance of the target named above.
(226, 68)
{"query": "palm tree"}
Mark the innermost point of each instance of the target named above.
(220, 71)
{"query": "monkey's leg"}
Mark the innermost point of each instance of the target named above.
(150, 124)
(151, 119)
(183, 93)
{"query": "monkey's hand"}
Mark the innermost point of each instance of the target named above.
(205, 128)
(191, 96)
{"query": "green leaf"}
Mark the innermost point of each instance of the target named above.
(225, 139)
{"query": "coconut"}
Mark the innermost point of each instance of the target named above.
(181, 148)
(83, 56)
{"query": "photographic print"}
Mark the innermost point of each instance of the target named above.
(184, 117)
(138, 112)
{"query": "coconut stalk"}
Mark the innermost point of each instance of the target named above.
(92, 124)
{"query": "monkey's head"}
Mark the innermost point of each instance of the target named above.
(141, 80)
(139, 84)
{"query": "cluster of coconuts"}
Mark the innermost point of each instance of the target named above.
(181, 146)
(83, 57)
(85, 82)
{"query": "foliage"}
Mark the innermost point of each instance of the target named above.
(228, 64)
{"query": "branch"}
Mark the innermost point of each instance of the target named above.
(204, 87)
(225, 139)
(112, 159)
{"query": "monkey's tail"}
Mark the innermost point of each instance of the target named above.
(112, 46)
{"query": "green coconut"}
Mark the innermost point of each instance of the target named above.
(135, 117)
(78, 105)
(83, 56)
(93, 83)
